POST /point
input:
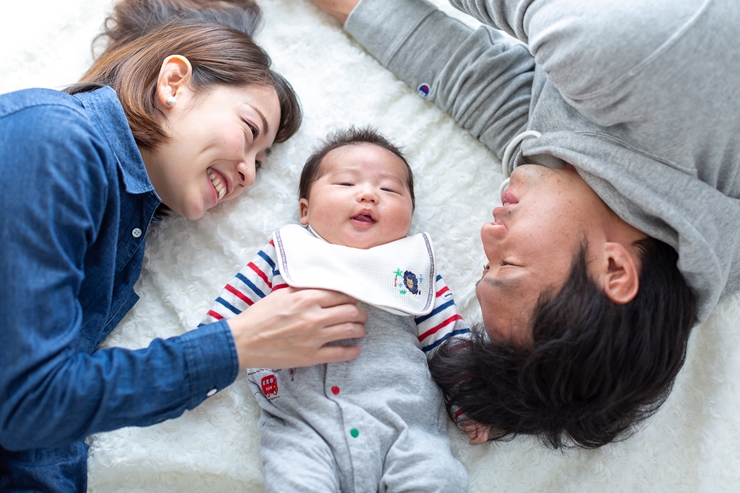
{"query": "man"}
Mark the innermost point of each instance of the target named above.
(620, 229)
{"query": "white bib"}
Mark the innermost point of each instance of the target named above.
(398, 277)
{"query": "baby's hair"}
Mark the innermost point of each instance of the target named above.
(312, 170)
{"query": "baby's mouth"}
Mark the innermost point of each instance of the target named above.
(364, 217)
(216, 181)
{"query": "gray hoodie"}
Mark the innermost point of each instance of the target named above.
(643, 98)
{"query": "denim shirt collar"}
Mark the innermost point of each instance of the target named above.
(104, 104)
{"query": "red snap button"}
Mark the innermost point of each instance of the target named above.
(335, 390)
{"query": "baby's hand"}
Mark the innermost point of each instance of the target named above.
(477, 433)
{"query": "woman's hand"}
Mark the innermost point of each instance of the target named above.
(476, 432)
(339, 9)
(290, 327)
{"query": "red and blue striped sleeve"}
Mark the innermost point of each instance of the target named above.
(443, 322)
(255, 281)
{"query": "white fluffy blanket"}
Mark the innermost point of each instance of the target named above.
(692, 444)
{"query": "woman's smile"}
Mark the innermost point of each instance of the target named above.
(219, 182)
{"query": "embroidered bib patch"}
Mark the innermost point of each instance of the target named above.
(407, 282)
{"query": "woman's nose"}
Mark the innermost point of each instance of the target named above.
(245, 173)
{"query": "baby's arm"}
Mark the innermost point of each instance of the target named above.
(442, 324)
(444, 321)
(251, 284)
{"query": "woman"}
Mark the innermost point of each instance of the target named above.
(175, 115)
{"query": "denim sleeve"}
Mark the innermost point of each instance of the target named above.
(55, 192)
(479, 77)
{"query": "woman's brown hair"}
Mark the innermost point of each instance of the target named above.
(214, 36)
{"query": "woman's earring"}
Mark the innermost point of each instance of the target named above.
(171, 101)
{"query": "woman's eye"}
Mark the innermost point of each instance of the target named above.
(255, 130)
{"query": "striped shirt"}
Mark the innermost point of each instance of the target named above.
(261, 276)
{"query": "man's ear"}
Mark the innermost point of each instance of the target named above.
(173, 78)
(303, 206)
(619, 273)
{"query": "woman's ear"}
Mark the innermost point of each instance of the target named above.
(173, 78)
(303, 206)
(619, 273)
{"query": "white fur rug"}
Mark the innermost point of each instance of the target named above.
(692, 444)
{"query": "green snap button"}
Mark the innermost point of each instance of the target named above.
(354, 432)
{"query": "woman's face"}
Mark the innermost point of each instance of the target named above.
(218, 137)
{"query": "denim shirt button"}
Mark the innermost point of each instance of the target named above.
(136, 232)
(211, 392)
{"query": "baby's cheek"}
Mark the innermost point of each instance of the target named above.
(402, 221)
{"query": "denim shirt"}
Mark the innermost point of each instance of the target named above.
(75, 206)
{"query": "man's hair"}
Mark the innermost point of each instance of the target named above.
(216, 37)
(593, 370)
(313, 170)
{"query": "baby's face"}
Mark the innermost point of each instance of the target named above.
(362, 199)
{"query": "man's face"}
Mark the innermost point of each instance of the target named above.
(530, 245)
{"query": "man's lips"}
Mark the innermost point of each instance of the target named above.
(508, 197)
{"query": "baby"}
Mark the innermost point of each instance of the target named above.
(378, 422)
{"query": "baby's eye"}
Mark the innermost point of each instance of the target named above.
(344, 184)
(504, 263)
(257, 165)
(386, 189)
